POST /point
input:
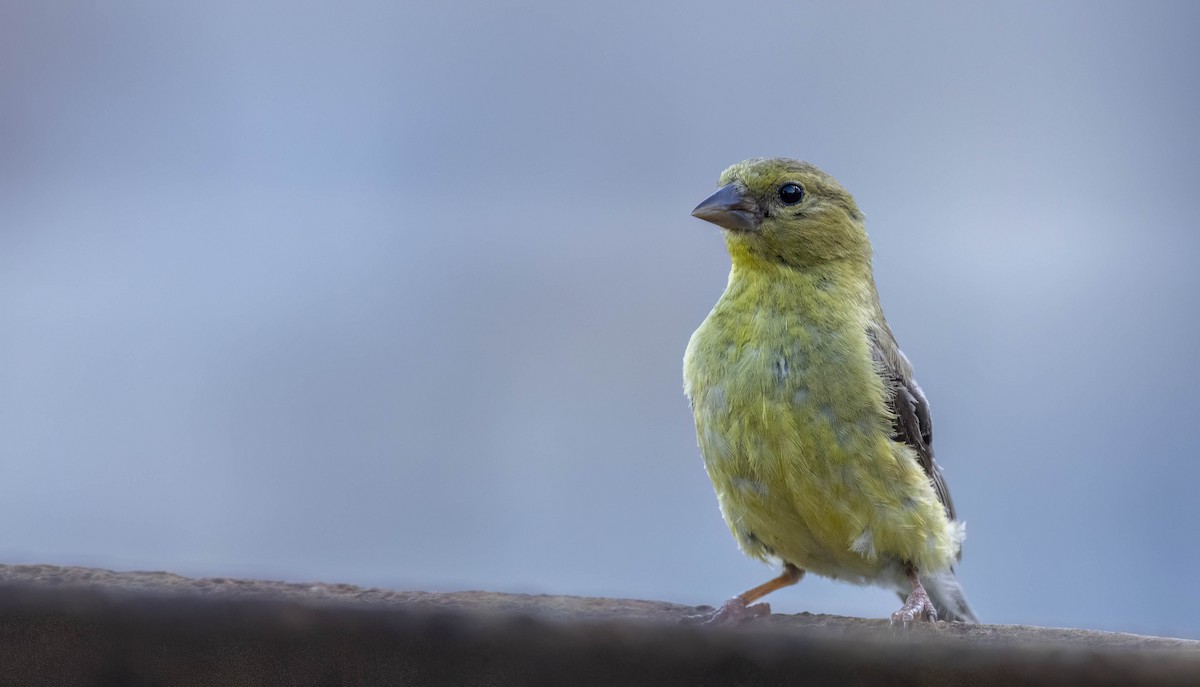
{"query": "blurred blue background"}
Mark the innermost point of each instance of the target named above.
(396, 295)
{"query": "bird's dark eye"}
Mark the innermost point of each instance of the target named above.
(791, 194)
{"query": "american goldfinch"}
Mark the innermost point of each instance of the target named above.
(812, 427)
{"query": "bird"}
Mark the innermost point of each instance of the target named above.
(814, 431)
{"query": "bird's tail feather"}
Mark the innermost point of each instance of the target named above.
(947, 596)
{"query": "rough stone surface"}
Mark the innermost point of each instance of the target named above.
(87, 626)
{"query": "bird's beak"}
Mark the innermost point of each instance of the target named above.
(728, 208)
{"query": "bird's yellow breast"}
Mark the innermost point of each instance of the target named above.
(792, 422)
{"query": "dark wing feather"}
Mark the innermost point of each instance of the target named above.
(911, 424)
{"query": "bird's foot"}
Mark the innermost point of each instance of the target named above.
(731, 613)
(918, 607)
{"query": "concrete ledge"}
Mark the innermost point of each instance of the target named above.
(88, 626)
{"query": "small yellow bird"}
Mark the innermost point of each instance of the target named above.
(813, 430)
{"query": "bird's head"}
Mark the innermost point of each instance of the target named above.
(783, 211)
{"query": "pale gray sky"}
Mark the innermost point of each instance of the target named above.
(386, 294)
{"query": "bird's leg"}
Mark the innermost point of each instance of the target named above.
(739, 609)
(918, 606)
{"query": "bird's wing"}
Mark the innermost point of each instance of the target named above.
(911, 423)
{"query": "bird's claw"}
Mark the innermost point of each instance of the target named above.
(731, 613)
(918, 607)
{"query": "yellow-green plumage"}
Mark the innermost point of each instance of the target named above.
(793, 407)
